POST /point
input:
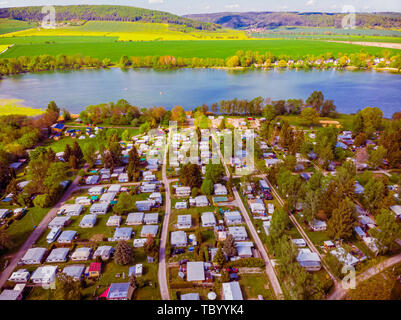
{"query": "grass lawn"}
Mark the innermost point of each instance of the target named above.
(344, 119)
(10, 25)
(60, 145)
(114, 50)
(253, 285)
(20, 230)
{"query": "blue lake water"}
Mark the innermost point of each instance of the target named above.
(75, 90)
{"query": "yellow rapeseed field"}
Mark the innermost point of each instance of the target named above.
(15, 106)
(132, 31)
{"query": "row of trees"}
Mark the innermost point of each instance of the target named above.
(60, 62)
(249, 59)
(123, 113)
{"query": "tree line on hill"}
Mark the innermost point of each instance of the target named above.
(105, 13)
(248, 59)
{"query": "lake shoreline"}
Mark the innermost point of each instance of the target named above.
(190, 87)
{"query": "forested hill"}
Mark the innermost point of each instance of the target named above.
(105, 13)
(269, 20)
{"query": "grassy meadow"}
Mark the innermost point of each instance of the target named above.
(109, 48)
(10, 25)
(112, 39)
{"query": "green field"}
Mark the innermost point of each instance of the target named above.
(35, 46)
(8, 25)
(335, 31)
(337, 37)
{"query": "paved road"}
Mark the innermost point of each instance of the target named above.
(162, 272)
(37, 233)
(339, 293)
(275, 284)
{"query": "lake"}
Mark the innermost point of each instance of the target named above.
(75, 90)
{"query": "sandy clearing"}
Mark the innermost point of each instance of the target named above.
(373, 44)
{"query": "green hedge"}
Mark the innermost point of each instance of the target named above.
(181, 285)
(247, 262)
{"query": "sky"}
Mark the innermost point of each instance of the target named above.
(181, 7)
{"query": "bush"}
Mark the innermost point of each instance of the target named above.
(180, 285)
(207, 187)
(42, 201)
(334, 265)
(194, 192)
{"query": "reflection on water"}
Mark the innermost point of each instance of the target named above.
(75, 90)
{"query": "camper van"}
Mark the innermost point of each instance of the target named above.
(53, 234)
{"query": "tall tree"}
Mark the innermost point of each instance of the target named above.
(5, 240)
(52, 106)
(214, 172)
(342, 221)
(191, 175)
(124, 205)
(133, 163)
(377, 156)
(316, 100)
(219, 257)
(229, 246)
(70, 288)
(124, 254)
(151, 248)
(387, 232)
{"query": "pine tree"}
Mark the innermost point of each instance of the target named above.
(5, 240)
(13, 189)
(77, 151)
(342, 221)
(151, 248)
(67, 153)
(73, 162)
(219, 257)
(229, 246)
(133, 163)
(123, 254)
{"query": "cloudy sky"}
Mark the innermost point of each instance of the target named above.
(202, 6)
